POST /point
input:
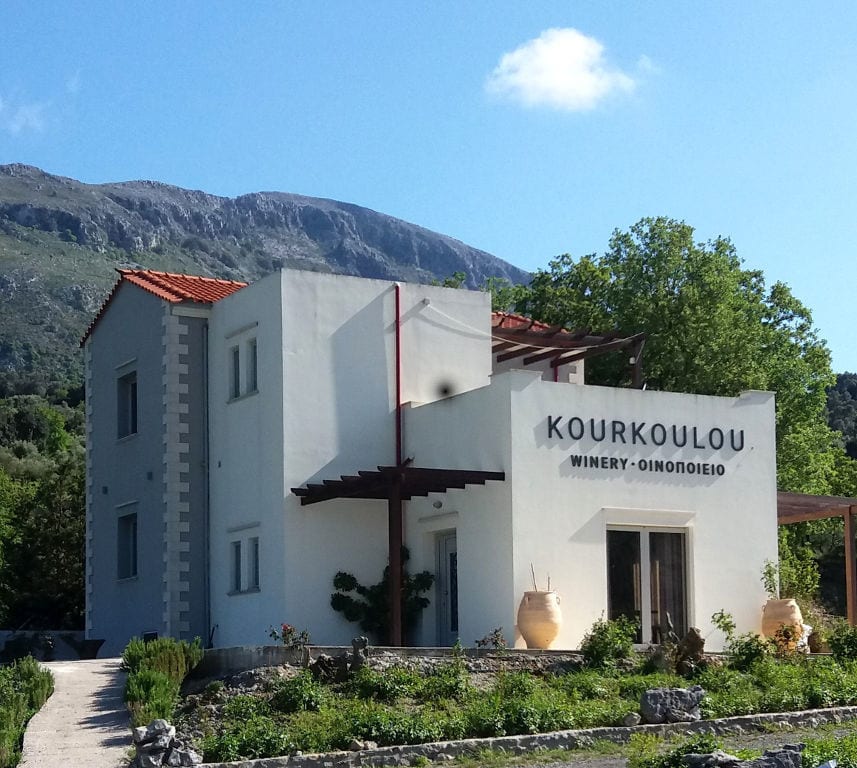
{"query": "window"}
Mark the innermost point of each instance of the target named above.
(647, 582)
(126, 546)
(244, 573)
(253, 570)
(126, 400)
(236, 566)
(252, 367)
(235, 373)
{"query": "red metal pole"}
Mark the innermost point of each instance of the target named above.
(398, 378)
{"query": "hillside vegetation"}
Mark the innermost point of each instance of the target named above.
(61, 241)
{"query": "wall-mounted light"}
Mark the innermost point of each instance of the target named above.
(437, 504)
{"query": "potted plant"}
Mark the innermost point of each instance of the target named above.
(782, 620)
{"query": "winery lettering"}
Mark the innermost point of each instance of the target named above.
(648, 465)
(643, 433)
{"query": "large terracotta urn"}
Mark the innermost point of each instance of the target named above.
(778, 613)
(539, 618)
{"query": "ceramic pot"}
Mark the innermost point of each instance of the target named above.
(539, 618)
(778, 613)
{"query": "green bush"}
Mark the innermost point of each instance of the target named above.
(449, 680)
(743, 651)
(608, 642)
(175, 658)
(389, 685)
(24, 688)
(843, 642)
(843, 749)
(156, 670)
(247, 740)
(298, 694)
(150, 694)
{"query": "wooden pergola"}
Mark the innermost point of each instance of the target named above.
(394, 485)
(800, 507)
(531, 342)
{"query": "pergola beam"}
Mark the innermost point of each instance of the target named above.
(801, 508)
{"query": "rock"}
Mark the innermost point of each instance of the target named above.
(787, 757)
(671, 705)
(716, 759)
(631, 719)
(156, 746)
(690, 652)
(183, 757)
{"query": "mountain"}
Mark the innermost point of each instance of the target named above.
(61, 241)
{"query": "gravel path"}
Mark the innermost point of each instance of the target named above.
(84, 724)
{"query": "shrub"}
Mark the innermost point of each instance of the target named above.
(449, 680)
(250, 739)
(150, 694)
(394, 683)
(175, 658)
(843, 641)
(155, 673)
(24, 688)
(743, 651)
(299, 694)
(369, 606)
(608, 642)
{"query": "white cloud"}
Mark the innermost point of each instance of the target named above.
(562, 69)
(24, 117)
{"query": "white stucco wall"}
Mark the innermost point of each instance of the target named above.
(561, 512)
(246, 461)
(325, 407)
(555, 516)
(470, 431)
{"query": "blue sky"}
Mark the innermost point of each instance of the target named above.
(525, 129)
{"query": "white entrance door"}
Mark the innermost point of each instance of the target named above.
(447, 589)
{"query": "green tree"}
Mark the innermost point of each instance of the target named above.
(42, 518)
(712, 328)
(842, 410)
(41, 574)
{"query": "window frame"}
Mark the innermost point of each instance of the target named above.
(245, 565)
(252, 366)
(127, 405)
(645, 572)
(234, 372)
(127, 546)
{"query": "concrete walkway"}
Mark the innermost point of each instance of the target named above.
(84, 724)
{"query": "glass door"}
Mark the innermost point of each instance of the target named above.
(655, 558)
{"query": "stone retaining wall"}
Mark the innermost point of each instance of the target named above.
(446, 751)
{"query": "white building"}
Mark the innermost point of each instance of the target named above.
(216, 412)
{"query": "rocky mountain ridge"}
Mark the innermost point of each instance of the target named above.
(61, 240)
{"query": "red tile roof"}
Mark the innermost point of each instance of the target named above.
(512, 322)
(171, 287)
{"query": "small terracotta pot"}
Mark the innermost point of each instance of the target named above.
(539, 618)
